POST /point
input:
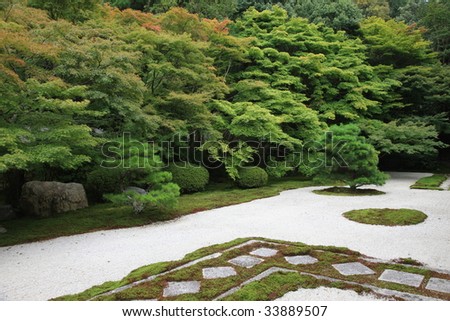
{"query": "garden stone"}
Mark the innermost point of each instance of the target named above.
(2, 230)
(439, 285)
(179, 288)
(404, 278)
(44, 199)
(301, 259)
(135, 189)
(218, 272)
(246, 261)
(6, 212)
(264, 252)
(354, 268)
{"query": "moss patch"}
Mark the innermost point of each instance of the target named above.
(431, 182)
(345, 191)
(386, 216)
(273, 286)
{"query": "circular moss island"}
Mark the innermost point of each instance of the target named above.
(346, 191)
(386, 216)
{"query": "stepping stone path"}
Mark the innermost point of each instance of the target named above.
(404, 278)
(439, 285)
(301, 259)
(354, 268)
(246, 261)
(218, 272)
(179, 288)
(249, 259)
(264, 252)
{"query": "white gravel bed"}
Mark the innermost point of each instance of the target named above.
(327, 294)
(43, 270)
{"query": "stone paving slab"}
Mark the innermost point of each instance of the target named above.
(218, 272)
(264, 252)
(404, 278)
(439, 285)
(246, 261)
(179, 288)
(301, 259)
(354, 268)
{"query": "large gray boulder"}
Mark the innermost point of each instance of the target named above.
(44, 199)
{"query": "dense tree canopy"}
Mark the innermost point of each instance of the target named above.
(258, 90)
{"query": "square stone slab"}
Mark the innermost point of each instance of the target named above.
(264, 252)
(218, 272)
(301, 259)
(404, 278)
(354, 268)
(179, 288)
(246, 261)
(439, 285)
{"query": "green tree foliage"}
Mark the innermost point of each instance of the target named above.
(395, 43)
(407, 137)
(424, 95)
(394, 7)
(355, 163)
(73, 10)
(249, 92)
(39, 113)
(338, 14)
(424, 90)
(163, 198)
(412, 11)
(435, 19)
(290, 54)
(377, 8)
(133, 4)
(94, 57)
(141, 166)
(219, 9)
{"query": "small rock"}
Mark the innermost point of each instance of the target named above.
(137, 190)
(2, 230)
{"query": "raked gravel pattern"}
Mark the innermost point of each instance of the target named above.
(43, 270)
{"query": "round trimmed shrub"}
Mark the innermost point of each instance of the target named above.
(190, 178)
(104, 181)
(252, 177)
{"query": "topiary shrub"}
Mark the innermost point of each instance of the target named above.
(191, 178)
(103, 181)
(252, 177)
